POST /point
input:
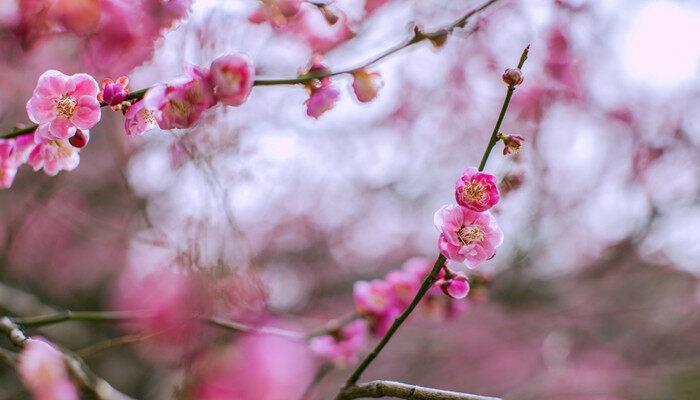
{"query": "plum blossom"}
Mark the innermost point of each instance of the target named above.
(52, 154)
(277, 12)
(343, 346)
(13, 153)
(512, 143)
(64, 103)
(114, 92)
(405, 282)
(138, 119)
(467, 236)
(180, 104)
(322, 94)
(477, 191)
(232, 76)
(455, 285)
(43, 371)
(366, 85)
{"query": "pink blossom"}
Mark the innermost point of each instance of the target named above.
(321, 100)
(260, 367)
(232, 77)
(467, 236)
(8, 162)
(366, 85)
(277, 12)
(477, 191)
(53, 155)
(373, 297)
(64, 103)
(180, 104)
(512, 143)
(139, 119)
(405, 282)
(43, 371)
(114, 93)
(343, 346)
(456, 285)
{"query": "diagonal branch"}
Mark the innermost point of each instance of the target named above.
(377, 389)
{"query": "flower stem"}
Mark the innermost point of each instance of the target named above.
(494, 135)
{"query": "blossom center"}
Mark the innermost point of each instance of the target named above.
(475, 192)
(66, 106)
(471, 234)
(62, 150)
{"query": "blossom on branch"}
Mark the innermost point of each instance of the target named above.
(64, 104)
(53, 155)
(366, 85)
(232, 76)
(114, 93)
(43, 371)
(477, 191)
(341, 347)
(467, 236)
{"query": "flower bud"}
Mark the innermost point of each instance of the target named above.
(512, 143)
(328, 14)
(456, 286)
(513, 77)
(80, 139)
(114, 93)
(366, 85)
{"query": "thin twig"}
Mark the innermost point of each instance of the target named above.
(321, 373)
(377, 389)
(264, 330)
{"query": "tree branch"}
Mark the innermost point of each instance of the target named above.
(100, 388)
(377, 389)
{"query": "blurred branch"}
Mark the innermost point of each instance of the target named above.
(440, 262)
(377, 389)
(437, 37)
(100, 388)
(68, 315)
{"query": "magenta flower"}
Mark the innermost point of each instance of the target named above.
(321, 100)
(343, 346)
(477, 191)
(232, 77)
(467, 236)
(180, 104)
(455, 286)
(64, 103)
(43, 371)
(139, 119)
(53, 155)
(366, 85)
(114, 93)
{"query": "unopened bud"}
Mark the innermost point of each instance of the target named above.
(455, 286)
(513, 77)
(79, 140)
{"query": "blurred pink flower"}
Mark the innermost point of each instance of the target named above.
(512, 144)
(366, 85)
(180, 104)
(477, 191)
(405, 282)
(42, 370)
(114, 93)
(232, 76)
(467, 236)
(375, 297)
(260, 367)
(276, 12)
(321, 100)
(53, 155)
(343, 346)
(8, 162)
(139, 119)
(64, 103)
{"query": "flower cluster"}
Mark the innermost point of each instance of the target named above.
(382, 300)
(323, 95)
(342, 346)
(469, 233)
(42, 370)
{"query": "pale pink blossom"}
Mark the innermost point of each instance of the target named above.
(366, 85)
(180, 104)
(42, 370)
(341, 347)
(477, 191)
(53, 155)
(321, 100)
(232, 76)
(8, 162)
(64, 103)
(277, 12)
(467, 236)
(139, 119)
(405, 282)
(375, 297)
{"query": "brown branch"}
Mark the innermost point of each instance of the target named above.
(100, 388)
(377, 389)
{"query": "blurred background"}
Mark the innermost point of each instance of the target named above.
(594, 293)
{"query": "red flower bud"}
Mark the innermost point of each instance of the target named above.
(79, 140)
(513, 77)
